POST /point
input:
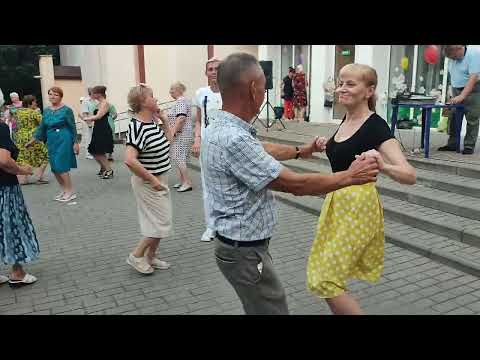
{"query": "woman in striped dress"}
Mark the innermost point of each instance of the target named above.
(147, 155)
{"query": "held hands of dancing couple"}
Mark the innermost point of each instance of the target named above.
(364, 170)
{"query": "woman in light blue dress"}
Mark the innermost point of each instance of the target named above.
(58, 131)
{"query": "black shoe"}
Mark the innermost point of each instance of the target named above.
(100, 173)
(108, 174)
(467, 151)
(447, 148)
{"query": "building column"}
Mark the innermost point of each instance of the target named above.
(141, 63)
(47, 79)
(322, 67)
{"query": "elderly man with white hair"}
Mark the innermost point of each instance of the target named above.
(464, 70)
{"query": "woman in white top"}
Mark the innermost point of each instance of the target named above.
(147, 155)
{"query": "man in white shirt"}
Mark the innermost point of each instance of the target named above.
(88, 106)
(206, 99)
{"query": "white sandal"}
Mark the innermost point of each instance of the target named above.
(67, 199)
(160, 264)
(27, 280)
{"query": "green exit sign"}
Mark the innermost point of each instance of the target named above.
(345, 52)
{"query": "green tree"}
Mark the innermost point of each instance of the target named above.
(19, 65)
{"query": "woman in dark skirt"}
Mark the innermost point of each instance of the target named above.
(18, 241)
(102, 137)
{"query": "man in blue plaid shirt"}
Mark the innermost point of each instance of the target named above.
(240, 173)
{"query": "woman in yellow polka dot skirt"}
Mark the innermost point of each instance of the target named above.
(350, 236)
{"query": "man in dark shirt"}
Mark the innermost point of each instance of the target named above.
(287, 94)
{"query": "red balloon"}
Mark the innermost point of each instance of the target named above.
(431, 54)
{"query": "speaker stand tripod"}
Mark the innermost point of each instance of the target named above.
(268, 124)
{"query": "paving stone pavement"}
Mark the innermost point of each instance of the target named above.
(84, 246)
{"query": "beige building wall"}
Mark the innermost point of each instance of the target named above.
(222, 51)
(73, 90)
(165, 64)
(116, 67)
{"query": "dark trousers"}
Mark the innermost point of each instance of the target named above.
(250, 272)
(472, 115)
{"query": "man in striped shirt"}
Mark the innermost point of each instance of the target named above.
(240, 173)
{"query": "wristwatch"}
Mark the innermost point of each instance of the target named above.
(298, 152)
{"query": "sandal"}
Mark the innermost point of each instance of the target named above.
(42, 182)
(159, 264)
(69, 198)
(108, 174)
(27, 280)
(184, 188)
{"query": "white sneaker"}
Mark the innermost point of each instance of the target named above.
(139, 264)
(67, 199)
(59, 196)
(3, 279)
(208, 235)
(89, 157)
(160, 264)
(176, 186)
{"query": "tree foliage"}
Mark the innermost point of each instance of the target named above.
(19, 65)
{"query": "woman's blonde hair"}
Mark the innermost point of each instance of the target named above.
(179, 86)
(136, 95)
(368, 76)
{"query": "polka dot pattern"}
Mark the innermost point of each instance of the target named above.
(349, 243)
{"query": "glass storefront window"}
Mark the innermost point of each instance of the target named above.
(293, 55)
(422, 78)
(400, 77)
(287, 59)
(301, 56)
(429, 77)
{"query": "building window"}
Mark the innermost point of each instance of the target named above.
(429, 77)
(287, 59)
(293, 55)
(409, 71)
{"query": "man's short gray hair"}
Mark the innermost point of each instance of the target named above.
(231, 70)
